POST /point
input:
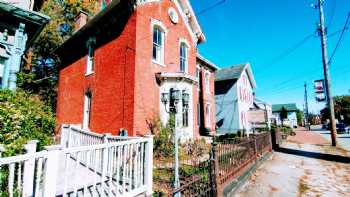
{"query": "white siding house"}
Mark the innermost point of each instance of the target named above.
(234, 95)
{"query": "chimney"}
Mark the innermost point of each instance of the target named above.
(80, 20)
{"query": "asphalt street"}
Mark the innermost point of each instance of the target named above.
(342, 139)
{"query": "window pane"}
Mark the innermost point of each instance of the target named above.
(155, 35)
(154, 52)
(160, 35)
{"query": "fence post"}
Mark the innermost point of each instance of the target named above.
(105, 157)
(255, 147)
(149, 165)
(65, 134)
(51, 169)
(2, 149)
(29, 168)
(270, 141)
(106, 136)
(214, 164)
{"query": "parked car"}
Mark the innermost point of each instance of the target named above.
(341, 128)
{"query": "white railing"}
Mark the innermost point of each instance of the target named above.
(122, 168)
(72, 136)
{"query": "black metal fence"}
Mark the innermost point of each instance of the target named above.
(207, 176)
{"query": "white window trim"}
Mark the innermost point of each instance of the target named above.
(208, 118)
(207, 86)
(159, 24)
(198, 77)
(87, 110)
(90, 64)
(184, 41)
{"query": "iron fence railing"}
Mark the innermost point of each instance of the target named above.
(228, 159)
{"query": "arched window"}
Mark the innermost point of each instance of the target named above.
(183, 57)
(207, 115)
(207, 82)
(158, 45)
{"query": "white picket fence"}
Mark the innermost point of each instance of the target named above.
(83, 165)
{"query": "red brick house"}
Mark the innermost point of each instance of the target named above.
(115, 69)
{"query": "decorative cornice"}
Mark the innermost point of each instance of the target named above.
(175, 76)
(188, 16)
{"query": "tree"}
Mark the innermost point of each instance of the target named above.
(300, 117)
(24, 117)
(341, 109)
(283, 114)
(40, 73)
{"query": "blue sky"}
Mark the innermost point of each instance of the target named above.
(259, 32)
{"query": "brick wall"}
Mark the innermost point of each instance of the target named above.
(111, 85)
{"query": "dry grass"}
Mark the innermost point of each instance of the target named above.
(303, 187)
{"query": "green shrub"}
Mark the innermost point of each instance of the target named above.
(24, 117)
(164, 139)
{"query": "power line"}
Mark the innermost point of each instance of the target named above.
(211, 7)
(340, 39)
(290, 50)
(287, 52)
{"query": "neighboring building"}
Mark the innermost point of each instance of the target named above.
(260, 114)
(205, 74)
(119, 67)
(19, 27)
(234, 95)
(291, 109)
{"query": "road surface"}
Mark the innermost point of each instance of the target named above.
(343, 139)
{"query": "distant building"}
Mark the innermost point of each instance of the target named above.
(234, 96)
(19, 27)
(291, 119)
(119, 68)
(260, 114)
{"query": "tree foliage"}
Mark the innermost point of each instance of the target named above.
(283, 114)
(300, 117)
(41, 65)
(341, 108)
(24, 117)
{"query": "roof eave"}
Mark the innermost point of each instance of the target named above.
(208, 62)
(88, 25)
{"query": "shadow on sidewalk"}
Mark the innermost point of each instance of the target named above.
(323, 156)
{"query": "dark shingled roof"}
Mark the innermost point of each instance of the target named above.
(233, 72)
(289, 107)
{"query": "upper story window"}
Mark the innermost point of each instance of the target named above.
(207, 82)
(183, 57)
(90, 65)
(197, 72)
(158, 45)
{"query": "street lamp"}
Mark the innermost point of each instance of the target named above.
(173, 98)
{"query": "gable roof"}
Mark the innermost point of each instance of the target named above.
(290, 107)
(235, 72)
(206, 62)
(192, 19)
(259, 101)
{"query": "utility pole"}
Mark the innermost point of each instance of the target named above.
(306, 108)
(325, 62)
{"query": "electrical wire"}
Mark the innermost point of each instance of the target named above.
(340, 39)
(211, 7)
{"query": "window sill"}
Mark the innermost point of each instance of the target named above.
(158, 63)
(88, 74)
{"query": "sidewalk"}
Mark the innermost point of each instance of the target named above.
(306, 165)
